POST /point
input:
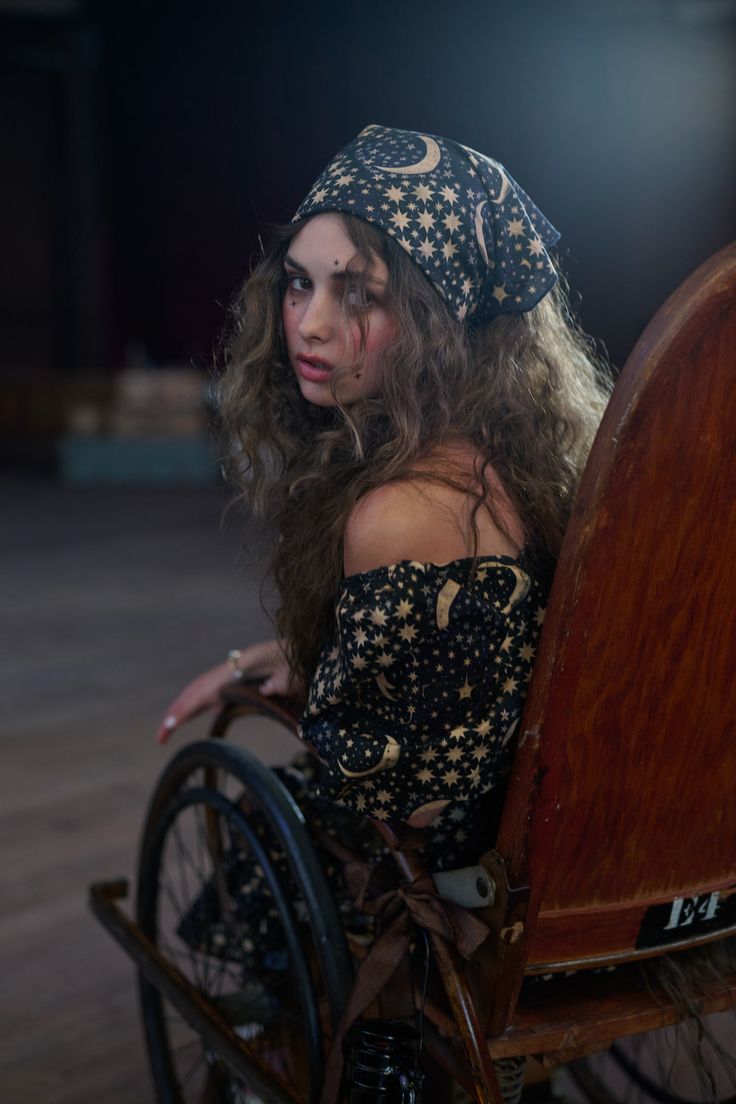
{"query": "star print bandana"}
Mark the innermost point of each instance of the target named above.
(459, 215)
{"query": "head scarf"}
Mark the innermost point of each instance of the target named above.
(476, 235)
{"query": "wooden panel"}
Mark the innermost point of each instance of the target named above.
(587, 1013)
(630, 723)
(607, 933)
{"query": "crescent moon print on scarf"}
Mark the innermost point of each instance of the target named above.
(479, 231)
(430, 160)
(476, 158)
(390, 758)
(503, 191)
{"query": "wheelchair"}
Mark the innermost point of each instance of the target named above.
(617, 843)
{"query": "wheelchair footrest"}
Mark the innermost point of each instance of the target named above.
(200, 1014)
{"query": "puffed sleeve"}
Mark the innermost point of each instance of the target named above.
(415, 698)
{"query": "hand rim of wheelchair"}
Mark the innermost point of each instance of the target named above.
(173, 794)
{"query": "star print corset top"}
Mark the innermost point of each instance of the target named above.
(416, 699)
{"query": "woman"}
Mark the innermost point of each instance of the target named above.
(413, 407)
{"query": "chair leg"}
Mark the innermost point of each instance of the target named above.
(447, 958)
(487, 1088)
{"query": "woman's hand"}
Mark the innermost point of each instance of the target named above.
(265, 661)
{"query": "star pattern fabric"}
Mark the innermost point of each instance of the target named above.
(417, 698)
(460, 216)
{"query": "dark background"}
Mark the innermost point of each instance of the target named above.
(145, 146)
(142, 148)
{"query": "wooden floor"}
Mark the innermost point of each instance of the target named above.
(111, 601)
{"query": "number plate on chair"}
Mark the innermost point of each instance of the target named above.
(688, 917)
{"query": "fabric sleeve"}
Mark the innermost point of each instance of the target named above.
(410, 706)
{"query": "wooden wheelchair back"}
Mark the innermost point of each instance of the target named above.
(618, 837)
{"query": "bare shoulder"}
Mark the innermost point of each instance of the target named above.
(416, 519)
(397, 521)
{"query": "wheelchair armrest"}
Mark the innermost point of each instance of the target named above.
(242, 696)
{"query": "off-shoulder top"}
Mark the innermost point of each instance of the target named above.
(417, 696)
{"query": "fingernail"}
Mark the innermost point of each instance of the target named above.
(170, 721)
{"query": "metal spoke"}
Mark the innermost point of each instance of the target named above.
(218, 900)
(181, 909)
(202, 849)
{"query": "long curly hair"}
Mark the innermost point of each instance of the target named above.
(527, 391)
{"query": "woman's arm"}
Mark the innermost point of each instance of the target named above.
(265, 660)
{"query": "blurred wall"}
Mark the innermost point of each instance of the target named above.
(147, 145)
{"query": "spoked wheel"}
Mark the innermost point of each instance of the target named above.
(232, 895)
